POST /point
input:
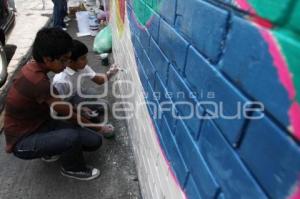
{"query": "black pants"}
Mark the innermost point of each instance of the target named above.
(59, 138)
(59, 12)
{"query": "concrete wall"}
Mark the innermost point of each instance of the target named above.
(228, 53)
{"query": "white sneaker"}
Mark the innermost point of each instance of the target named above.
(89, 173)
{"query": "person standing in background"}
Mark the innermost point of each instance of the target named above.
(59, 14)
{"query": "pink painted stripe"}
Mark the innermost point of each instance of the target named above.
(140, 26)
(245, 5)
(296, 194)
(280, 63)
(294, 114)
(285, 78)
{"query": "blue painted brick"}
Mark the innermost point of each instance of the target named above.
(134, 43)
(159, 60)
(129, 2)
(160, 88)
(142, 73)
(204, 24)
(230, 2)
(156, 117)
(170, 114)
(229, 171)
(138, 49)
(205, 79)
(173, 153)
(129, 10)
(167, 105)
(272, 157)
(248, 63)
(221, 196)
(145, 39)
(153, 25)
(173, 45)
(191, 189)
(149, 69)
(204, 180)
(167, 9)
(182, 96)
(150, 99)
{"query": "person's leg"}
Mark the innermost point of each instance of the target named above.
(59, 138)
(64, 142)
(58, 19)
(55, 13)
(65, 8)
(91, 141)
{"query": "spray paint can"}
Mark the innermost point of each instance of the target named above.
(93, 22)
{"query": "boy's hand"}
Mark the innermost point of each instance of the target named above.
(86, 112)
(112, 71)
(107, 131)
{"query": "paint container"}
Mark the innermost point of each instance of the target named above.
(93, 23)
(83, 22)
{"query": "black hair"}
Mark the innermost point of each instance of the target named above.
(78, 50)
(52, 43)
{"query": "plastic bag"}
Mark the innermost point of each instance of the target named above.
(103, 41)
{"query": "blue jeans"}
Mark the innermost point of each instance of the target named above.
(59, 138)
(59, 12)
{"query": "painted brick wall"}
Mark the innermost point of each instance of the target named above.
(227, 52)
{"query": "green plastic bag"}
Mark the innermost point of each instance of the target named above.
(103, 41)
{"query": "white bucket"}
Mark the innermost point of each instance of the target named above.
(83, 22)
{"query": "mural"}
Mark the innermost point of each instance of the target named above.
(283, 50)
(244, 54)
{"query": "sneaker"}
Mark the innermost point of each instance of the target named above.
(88, 173)
(50, 158)
(64, 29)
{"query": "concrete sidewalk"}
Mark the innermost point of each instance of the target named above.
(36, 179)
(29, 19)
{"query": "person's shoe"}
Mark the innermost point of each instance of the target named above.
(89, 173)
(64, 29)
(50, 158)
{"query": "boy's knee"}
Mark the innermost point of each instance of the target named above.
(92, 141)
(97, 142)
(72, 137)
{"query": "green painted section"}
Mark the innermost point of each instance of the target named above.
(148, 13)
(144, 9)
(290, 46)
(294, 21)
(273, 10)
(139, 10)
